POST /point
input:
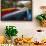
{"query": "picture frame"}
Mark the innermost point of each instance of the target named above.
(16, 10)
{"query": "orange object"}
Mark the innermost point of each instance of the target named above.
(2, 39)
(8, 9)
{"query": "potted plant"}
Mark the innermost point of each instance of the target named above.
(42, 19)
(10, 32)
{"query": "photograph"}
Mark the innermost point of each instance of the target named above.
(13, 10)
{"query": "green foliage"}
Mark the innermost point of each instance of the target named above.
(8, 4)
(11, 31)
(41, 17)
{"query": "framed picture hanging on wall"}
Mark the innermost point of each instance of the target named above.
(13, 10)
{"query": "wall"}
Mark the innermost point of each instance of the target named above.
(26, 28)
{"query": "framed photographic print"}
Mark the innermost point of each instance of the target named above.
(13, 10)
